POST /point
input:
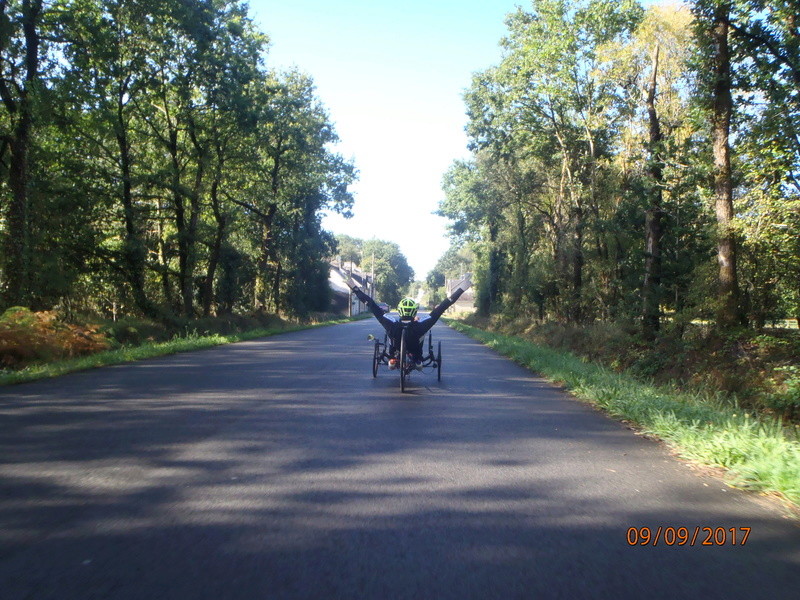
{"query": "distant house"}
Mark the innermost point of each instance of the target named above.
(342, 301)
(466, 302)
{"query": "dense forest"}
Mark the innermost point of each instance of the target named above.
(636, 165)
(151, 163)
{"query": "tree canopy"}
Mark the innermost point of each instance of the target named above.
(381, 259)
(152, 162)
(631, 164)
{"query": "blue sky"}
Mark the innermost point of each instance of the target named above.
(392, 76)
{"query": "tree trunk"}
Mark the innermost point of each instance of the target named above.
(219, 237)
(729, 311)
(276, 288)
(267, 251)
(265, 254)
(134, 251)
(18, 243)
(576, 310)
(520, 278)
(651, 285)
(17, 263)
(494, 269)
(191, 248)
(184, 227)
(201, 152)
(163, 260)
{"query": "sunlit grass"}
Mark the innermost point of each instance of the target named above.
(190, 341)
(758, 452)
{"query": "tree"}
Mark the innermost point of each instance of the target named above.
(349, 249)
(713, 29)
(475, 207)
(653, 65)
(109, 70)
(294, 172)
(765, 57)
(392, 272)
(543, 120)
(453, 265)
(20, 90)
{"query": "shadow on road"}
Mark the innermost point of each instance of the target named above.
(281, 469)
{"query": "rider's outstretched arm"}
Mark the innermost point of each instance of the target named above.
(437, 312)
(373, 307)
(445, 304)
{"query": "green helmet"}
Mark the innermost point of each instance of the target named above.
(408, 308)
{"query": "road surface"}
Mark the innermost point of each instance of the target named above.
(279, 468)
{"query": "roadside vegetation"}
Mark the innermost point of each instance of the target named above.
(759, 451)
(40, 345)
(746, 369)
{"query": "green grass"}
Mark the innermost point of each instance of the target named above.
(186, 343)
(758, 452)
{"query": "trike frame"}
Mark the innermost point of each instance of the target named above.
(385, 351)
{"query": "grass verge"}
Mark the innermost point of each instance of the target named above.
(757, 452)
(186, 343)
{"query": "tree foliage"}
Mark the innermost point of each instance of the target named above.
(151, 162)
(381, 259)
(593, 191)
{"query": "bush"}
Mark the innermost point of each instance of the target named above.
(134, 331)
(786, 402)
(130, 331)
(27, 336)
(752, 370)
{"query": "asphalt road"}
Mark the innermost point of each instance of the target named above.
(280, 468)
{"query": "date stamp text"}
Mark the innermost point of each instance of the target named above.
(687, 536)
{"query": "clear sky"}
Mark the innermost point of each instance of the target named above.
(392, 75)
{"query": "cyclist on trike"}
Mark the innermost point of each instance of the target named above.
(412, 326)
